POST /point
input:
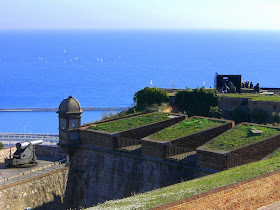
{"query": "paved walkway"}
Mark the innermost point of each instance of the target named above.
(11, 175)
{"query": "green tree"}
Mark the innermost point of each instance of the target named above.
(147, 97)
(197, 101)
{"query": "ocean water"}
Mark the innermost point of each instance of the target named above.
(104, 68)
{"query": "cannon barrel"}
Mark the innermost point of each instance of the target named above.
(23, 145)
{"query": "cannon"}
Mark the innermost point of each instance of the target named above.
(24, 155)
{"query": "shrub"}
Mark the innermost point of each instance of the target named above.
(276, 117)
(197, 101)
(1, 145)
(215, 112)
(149, 96)
(259, 115)
(238, 115)
(131, 110)
(106, 115)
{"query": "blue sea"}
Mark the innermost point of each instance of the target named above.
(104, 68)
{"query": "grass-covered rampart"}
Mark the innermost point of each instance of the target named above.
(253, 97)
(240, 136)
(193, 187)
(129, 123)
(184, 128)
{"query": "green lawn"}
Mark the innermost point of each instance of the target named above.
(193, 187)
(239, 136)
(253, 97)
(129, 123)
(276, 154)
(184, 128)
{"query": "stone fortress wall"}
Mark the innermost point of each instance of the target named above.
(248, 105)
(46, 190)
(99, 171)
(98, 175)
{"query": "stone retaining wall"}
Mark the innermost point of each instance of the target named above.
(259, 149)
(267, 106)
(158, 149)
(97, 138)
(227, 103)
(197, 139)
(97, 175)
(47, 151)
(42, 192)
(110, 141)
(221, 160)
(212, 160)
(143, 131)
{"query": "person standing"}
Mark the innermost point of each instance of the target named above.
(257, 88)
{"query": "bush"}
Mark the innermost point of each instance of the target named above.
(131, 110)
(276, 117)
(1, 145)
(259, 115)
(148, 97)
(197, 101)
(238, 115)
(215, 112)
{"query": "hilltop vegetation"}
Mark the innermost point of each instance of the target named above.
(253, 96)
(197, 101)
(149, 97)
(239, 136)
(129, 123)
(184, 128)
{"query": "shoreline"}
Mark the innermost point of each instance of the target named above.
(56, 109)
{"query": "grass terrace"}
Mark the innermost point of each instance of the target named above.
(184, 128)
(276, 154)
(253, 97)
(240, 136)
(130, 123)
(193, 187)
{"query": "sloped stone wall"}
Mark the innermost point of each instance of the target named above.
(97, 175)
(42, 192)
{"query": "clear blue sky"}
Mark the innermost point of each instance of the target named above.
(183, 14)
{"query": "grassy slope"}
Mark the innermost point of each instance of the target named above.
(185, 128)
(276, 154)
(129, 123)
(193, 187)
(253, 97)
(240, 136)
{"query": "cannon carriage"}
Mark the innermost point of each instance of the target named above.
(24, 155)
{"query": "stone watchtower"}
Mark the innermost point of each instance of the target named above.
(69, 123)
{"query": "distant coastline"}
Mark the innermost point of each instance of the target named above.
(56, 109)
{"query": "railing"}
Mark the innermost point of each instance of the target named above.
(10, 139)
(27, 135)
(235, 160)
(181, 154)
(128, 144)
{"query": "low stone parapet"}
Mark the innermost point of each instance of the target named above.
(158, 148)
(47, 151)
(110, 140)
(221, 160)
